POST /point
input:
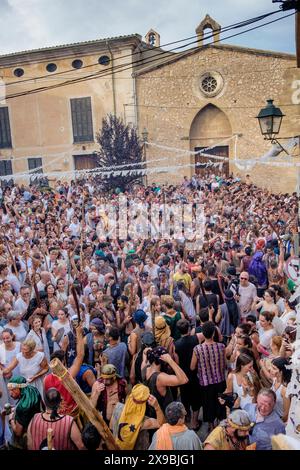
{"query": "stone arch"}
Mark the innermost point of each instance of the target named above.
(209, 127)
(152, 38)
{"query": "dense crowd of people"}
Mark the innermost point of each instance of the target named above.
(177, 348)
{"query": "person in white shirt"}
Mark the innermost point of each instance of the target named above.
(75, 227)
(151, 268)
(52, 258)
(61, 272)
(247, 294)
(45, 279)
(22, 303)
(93, 276)
(266, 331)
(16, 325)
(289, 312)
(38, 334)
(62, 322)
(61, 293)
(14, 282)
(70, 212)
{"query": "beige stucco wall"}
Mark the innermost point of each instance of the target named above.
(41, 124)
(169, 99)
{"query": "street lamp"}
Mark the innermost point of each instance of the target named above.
(145, 135)
(269, 119)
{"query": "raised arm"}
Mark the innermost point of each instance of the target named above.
(194, 361)
(11, 366)
(166, 380)
(256, 304)
(281, 258)
(132, 343)
(154, 423)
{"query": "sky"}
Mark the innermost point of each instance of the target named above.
(32, 24)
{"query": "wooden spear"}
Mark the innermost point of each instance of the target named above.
(50, 439)
(10, 254)
(74, 293)
(84, 403)
(81, 236)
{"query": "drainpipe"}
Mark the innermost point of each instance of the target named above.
(136, 116)
(112, 78)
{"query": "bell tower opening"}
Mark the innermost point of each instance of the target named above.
(152, 38)
(208, 25)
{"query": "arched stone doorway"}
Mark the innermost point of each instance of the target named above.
(209, 127)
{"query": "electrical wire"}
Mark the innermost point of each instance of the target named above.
(178, 77)
(224, 29)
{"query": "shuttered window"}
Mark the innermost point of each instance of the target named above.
(5, 137)
(35, 163)
(5, 168)
(82, 120)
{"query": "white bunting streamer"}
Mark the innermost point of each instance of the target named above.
(191, 152)
(122, 170)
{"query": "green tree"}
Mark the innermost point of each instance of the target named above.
(119, 145)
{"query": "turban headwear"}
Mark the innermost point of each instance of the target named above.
(132, 417)
(29, 402)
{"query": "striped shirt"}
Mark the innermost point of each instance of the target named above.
(61, 432)
(211, 363)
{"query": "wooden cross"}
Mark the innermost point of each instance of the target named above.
(84, 403)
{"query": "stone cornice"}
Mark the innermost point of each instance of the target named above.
(222, 47)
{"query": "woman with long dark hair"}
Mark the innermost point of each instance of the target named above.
(266, 331)
(50, 290)
(268, 304)
(240, 380)
(281, 376)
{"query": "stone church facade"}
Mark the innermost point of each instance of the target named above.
(205, 97)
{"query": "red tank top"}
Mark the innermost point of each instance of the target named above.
(61, 432)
